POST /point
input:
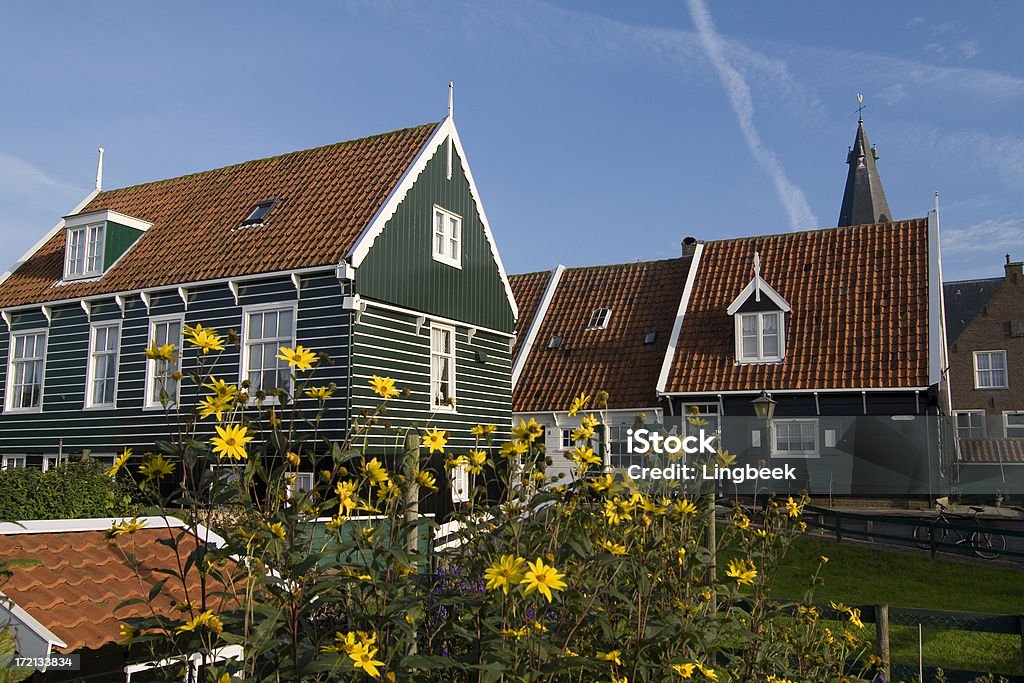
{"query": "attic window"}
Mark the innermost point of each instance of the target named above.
(258, 213)
(555, 342)
(599, 319)
(84, 251)
(650, 338)
(94, 241)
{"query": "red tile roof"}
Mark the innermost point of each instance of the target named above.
(528, 289)
(644, 297)
(859, 298)
(992, 451)
(327, 197)
(83, 576)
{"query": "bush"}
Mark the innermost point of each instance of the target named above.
(72, 490)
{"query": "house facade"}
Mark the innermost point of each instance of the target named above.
(376, 252)
(986, 358)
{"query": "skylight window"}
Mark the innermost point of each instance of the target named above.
(555, 342)
(599, 319)
(258, 213)
(650, 338)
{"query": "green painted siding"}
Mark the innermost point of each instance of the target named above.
(400, 269)
(119, 238)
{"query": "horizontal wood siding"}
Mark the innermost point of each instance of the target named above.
(400, 268)
(322, 325)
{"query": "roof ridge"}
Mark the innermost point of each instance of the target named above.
(818, 230)
(210, 171)
(625, 264)
(977, 279)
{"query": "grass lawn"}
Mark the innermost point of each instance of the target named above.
(863, 575)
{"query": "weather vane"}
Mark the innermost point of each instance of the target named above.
(860, 101)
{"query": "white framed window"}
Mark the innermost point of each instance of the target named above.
(567, 442)
(460, 483)
(299, 483)
(25, 370)
(165, 329)
(12, 462)
(1013, 423)
(442, 367)
(970, 424)
(447, 237)
(990, 370)
(700, 413)
(101, 384)
(84, 251)
(267, 329)
(759, 337)
(599, 319)
(795, 438)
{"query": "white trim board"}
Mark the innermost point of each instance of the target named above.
(445, 130)
(677, 327)
(754, 392)
(538, 318)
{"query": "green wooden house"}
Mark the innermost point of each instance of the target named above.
(376, 251)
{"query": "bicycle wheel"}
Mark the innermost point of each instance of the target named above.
(923, 538)
(987, 544)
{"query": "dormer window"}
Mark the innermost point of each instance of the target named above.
(599, 319)
(95, 241)
(759, 313)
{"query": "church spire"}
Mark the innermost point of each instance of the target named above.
(864, 199)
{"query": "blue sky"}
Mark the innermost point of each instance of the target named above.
(598, 132)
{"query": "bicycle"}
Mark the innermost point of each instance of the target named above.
(985, 544)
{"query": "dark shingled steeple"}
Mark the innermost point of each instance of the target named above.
(864, 199)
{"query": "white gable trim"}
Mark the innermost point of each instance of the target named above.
(76, 219)
(758, 286)
(445, 131)
(677, 327)
(538, 319)
(937, 350)
(46, 238)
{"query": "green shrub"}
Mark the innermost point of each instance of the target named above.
(73, 490)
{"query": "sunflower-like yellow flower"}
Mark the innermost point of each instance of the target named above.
(617, 510)
(613, 548)
(230, 442)
(741, 521)
(434, 440)
(375, 472)
(528, 431)
(425, 479)
(589, 421)
(119, 462)
(578, 404)
(346, 503)
(156, 467)
(792, 508)
(477, 460)
(362, 657)
(724, 457)
(743, 571)
(506, 572)
(684, 670)
(277, 530)
(707, 672)
(204, 338)
(543, 579)
(126, 526)
(292, 458)
(207, 620)
(221, 388)
(683, 508)
(384, 387)
(483, 430)
(513, 449)
(320, 393)
(215, 405)
(299, 358)
(584, 455)
(614, 656)
(126, 632)
(855, 618)
(164, 352)
(582, 434)
(602, 483)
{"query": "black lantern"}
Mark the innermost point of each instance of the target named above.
(764, 405)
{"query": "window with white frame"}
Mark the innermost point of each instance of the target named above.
(599, 319)
(84, 251)
(698, 416)
(11, 462)
(1013, 423)
(567, 442)
(759, 337)
(160, 381)
(442, 367)
(447, 239)
(618, 448)
(796, 437)
(101, 386)
(460, 483)
(990, 370)
(267, 329)
(299, 483)
(25, 371)
(970, 424)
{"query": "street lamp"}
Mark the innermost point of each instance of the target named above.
(764, 406)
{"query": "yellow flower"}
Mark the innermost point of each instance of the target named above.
(683, 508)
(775, 679)
(589, 422)
(516, 633)
(299, 358)
(584, 454)
(615, 656)
(824, 559)
(617, 510)
(684, 670)
(321, 393)
(214, 405)
(277, 530)
(741, 521)
(426, 479)
(708, 672)
(542, 578)
(164, 352)
(613, 548)
(855, 618)
(435, 439)
(156, 466)
(375, 471)
(725, 458)
(619, 679)
(126, 632)
(477, 460)
(681, 556)
(528, 431)
(513, 449)
(363, 658)
(743, 571)
(293, 459)
(384, 387)
(345, 490)
(602, 483)
(221, 388)
(206, 620)
(792, 508)
(504, 573)
(578, 404)
(119, 462)
(582, 434)
(483, 430)
(224, 678)
(206, 339)
(126, 526)
(230, 442)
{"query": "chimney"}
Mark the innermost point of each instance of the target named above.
(689, 246)
(1014, 270)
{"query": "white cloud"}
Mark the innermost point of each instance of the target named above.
(1003, 234)
(791, 196)
(970, 48)
(24, 183)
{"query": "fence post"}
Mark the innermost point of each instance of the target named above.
(882, 639)
(839, 527)
(931, 539)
